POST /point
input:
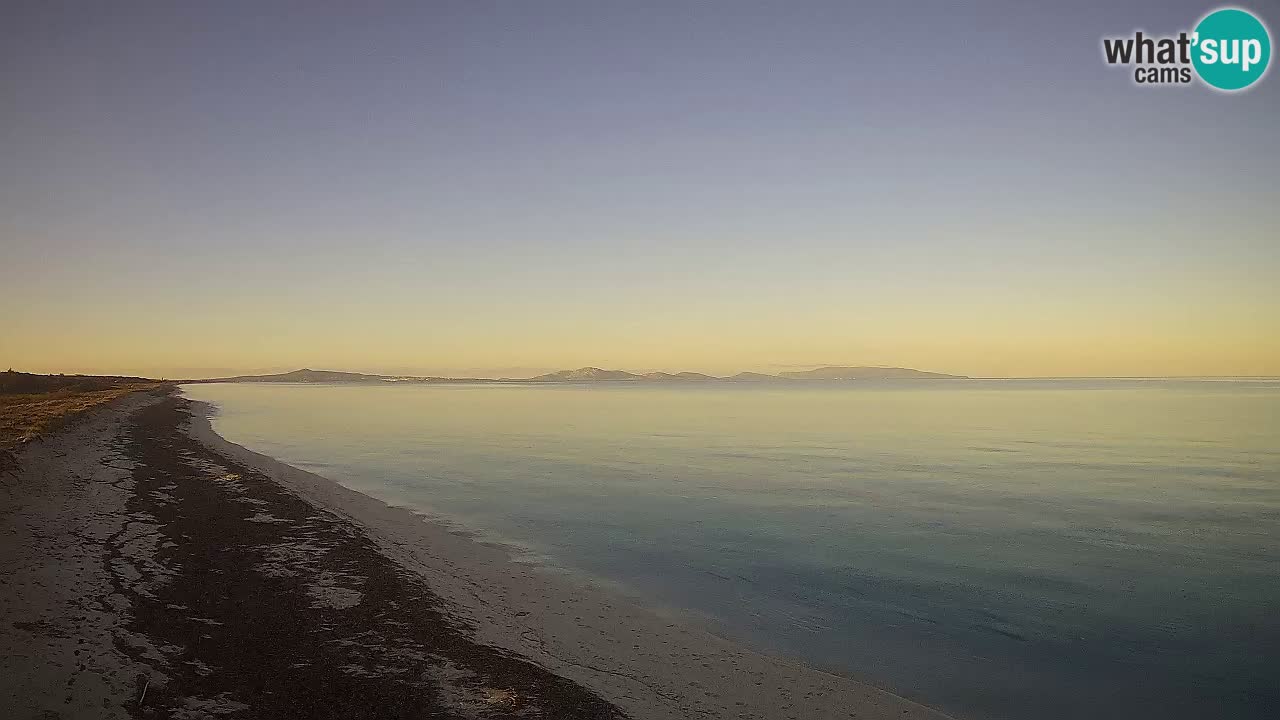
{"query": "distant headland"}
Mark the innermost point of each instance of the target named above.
(599, 375)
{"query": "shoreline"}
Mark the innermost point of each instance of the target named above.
(516, 640)
(514, 605)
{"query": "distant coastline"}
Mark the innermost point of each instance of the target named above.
(596, 375)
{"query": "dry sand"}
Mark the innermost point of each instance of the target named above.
(142, 550)
(65, 537)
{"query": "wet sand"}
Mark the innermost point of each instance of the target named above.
(152, 569)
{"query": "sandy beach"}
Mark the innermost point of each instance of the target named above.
(150, 568)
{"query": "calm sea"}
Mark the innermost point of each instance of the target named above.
(998, 549)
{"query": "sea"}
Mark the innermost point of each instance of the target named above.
(993, 548)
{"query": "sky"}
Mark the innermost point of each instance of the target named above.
(477, 187)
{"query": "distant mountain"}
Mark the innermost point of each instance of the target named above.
(867, 373)
(586, 374)
(595, 374)
(754, 377)
(307, 375)
(677, 377)
(589, 375)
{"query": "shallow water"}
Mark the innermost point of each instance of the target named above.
(998, 549)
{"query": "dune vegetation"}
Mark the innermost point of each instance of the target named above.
(33, 405)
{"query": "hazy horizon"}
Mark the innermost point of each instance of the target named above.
(521, 373)
(446, 188)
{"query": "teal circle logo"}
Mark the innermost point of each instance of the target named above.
(1231, 49)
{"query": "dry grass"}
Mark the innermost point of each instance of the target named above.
(30, 415)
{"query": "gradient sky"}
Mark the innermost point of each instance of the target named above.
(196, 188)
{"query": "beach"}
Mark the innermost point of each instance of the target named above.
(153, 569)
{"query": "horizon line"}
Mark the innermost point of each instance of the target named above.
(251, 374)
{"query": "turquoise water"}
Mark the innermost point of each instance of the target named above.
(998, 549)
